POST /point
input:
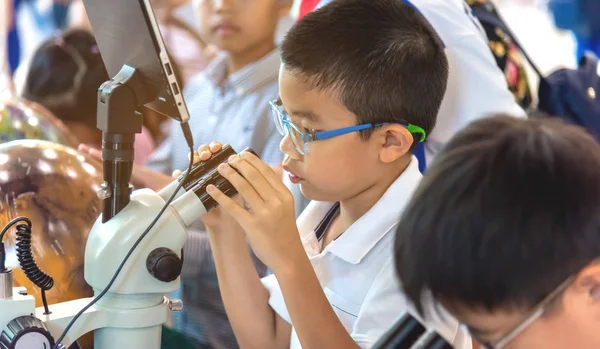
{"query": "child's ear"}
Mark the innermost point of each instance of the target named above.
(395, 141)
(588, 283)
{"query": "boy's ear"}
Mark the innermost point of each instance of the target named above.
(395, 141)
(588, 282)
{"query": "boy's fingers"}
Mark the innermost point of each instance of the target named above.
(274, 179)
(228, 204)
(203, 148)
(195, 156)
(215, 147)
(205, 152)
(204, 155)
(251, 177)
(245, 189)
(176, 173)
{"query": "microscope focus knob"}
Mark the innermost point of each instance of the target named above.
(26, 332)
(164, 264)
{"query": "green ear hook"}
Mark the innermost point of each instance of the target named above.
(416, 129)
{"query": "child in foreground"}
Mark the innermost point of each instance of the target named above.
(504, 231)
(361, 83)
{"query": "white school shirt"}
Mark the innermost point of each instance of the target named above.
(357, 270)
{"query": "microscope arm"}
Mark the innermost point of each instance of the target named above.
(130, 322)
(135, 307)
(62, 313)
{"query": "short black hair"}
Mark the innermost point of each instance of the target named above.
(65, 74)
(506, 213)
(382, 58)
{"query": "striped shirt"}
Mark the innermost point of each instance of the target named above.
(229, 109)
(233, 110)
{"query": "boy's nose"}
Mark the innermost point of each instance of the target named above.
(221, 5)
(288, 148)
(214, 4)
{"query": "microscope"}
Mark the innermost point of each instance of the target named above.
(130, 314)
(133, 256)
(410, 333)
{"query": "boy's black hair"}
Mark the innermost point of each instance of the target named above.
(53, 76)
(507, 212)
(382, 58)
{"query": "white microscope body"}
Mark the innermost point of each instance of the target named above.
(131, 314)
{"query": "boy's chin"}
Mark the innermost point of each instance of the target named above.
(305, 189)
(223, 44)
(231, 45)
(314, 194)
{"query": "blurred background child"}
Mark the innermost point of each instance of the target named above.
(65, 74)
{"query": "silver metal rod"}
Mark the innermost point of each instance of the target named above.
(6, 279)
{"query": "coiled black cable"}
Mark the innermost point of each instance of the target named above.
(25, 256)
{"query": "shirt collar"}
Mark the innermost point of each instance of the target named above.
(354, 244)
(248, 79)
(308, 221)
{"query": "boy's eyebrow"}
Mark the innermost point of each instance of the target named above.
(307, 114)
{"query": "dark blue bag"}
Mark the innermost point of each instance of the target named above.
(574, 95)
(578, 16)
(569, 94)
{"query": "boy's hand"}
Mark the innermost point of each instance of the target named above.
(270, 222)
(204, 153)
(141, 177)
(217, 221)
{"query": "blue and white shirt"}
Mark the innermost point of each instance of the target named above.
(231, 110)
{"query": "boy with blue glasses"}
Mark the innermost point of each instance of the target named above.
(353, 105)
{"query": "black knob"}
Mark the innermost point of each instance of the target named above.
(26, 332)
(164, 264)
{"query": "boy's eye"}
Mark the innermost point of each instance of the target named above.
(308, 129)
(302, 128)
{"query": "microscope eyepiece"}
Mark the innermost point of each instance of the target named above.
(195, 202)
(407, 333)
(403, 335)
(215, 178)
(202, 168)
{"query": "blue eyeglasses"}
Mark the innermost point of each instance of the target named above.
(301, 139)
